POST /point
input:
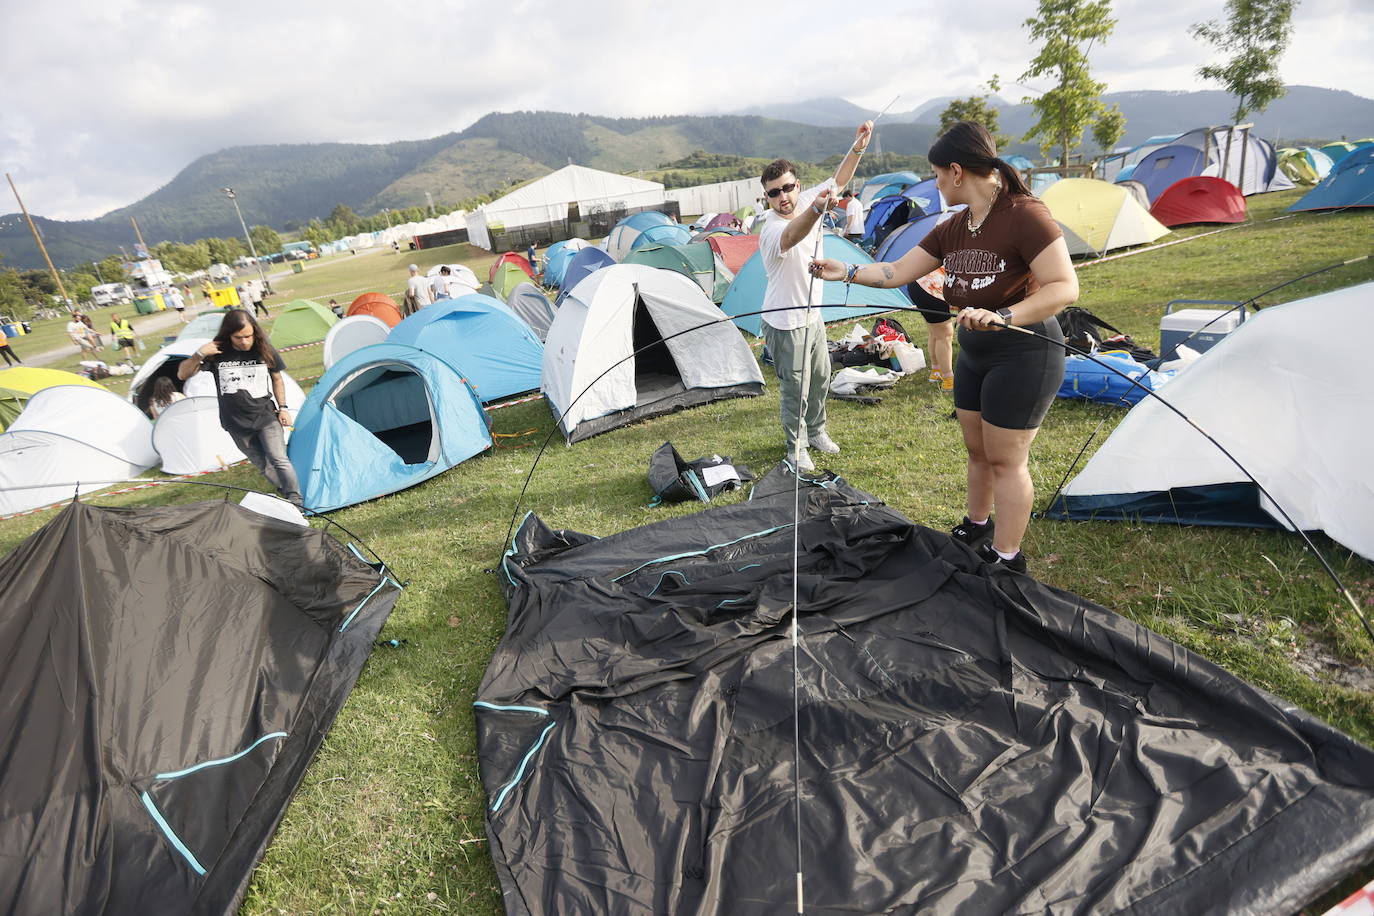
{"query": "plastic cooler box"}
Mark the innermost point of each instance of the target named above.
(1210, 325)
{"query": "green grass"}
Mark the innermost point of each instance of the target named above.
(389, 817)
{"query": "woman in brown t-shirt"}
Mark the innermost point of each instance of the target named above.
(1005, 262)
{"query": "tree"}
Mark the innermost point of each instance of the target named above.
(976, 108)
(1109, 128)
(265, 239)
(1068, 28)
(1255, 36)
(343, 215)
(224, 251)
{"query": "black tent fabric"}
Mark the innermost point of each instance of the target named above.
(971, 741)
(168, 673)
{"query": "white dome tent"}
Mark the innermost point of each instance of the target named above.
(353, 333)
(189, 439)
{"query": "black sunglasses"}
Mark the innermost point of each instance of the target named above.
(785, 189)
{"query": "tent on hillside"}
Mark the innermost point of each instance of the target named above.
(1199, 199)
(886, 185)
(482, 338)
(531, 306)
(508, 277)
(970, 740)
(585, 263)
(1304, 165)
(31, 380)
(1098, 217)
(510, 257)
(1247, 161)
(1338, 150)
(68, 435)
(1350, 184)
(1284, 414)
(378, 305)
(696, 260)
(301, 322)
(623, 234)
(458, 273)
(169, 674)
(734, 250)
(353, 333)
(401, 413)
(188, 438)
(204, 326)
(556, 259)
(167, 360)
(836, 300)
(555, 197)
(592, 381)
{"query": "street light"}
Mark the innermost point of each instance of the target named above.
(229, 193)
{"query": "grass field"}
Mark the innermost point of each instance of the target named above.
(389, 817)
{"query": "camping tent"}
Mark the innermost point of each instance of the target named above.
(671, 234)
(204, 326)
(552, 198)
(1247, 161)
(1350, 184)
(1304, 165)
(1098, 217)
(354, 333)
(970, 741)
(11, 404)
(402, 414)
(909, 236)
(556, 259)
(378, 305)
(886, 185)
(1199, 199)
(167, 360)
(1282, 413)
(188, 438)
(696, 260)
(723, 221)
(459, 273)
(1338, 150)
(888, 213)
(531, 306)
(583, 264)
(169, 674)
(508, 277)
(482, 338)
(734, 250)
(510, 257)
(836, 300)
(68, 435)
(624, 233)
(31, 380)
(594, 379)
(301, 322)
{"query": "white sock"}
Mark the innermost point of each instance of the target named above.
(1007, 556)
(975, 522)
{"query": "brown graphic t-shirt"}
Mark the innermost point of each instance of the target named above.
(992, 269)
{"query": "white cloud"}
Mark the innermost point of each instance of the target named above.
(105, 101)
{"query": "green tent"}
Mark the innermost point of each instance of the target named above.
(301, 322)
(697, 260)
(508, 276)
(11, 403)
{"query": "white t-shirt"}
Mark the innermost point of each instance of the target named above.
(441, 286)
(854, 217)
(787, 277)
(76, 330)
(422, 290)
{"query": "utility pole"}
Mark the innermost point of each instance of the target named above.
(57, 278)
(229, 193)
(142, 245)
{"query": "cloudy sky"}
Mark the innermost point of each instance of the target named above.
(104, 101)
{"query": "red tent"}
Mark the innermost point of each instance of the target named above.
(734, 250)
(1199, 199)
(512, 257)
(379, 306)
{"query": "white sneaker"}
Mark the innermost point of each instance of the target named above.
(822, 441)
(802, 459)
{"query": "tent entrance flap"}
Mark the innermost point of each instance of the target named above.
(393, 403)
(656, 372)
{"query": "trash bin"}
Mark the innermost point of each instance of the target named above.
(297, 267)
(144, 305)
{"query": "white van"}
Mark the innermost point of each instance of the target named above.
(110, 293)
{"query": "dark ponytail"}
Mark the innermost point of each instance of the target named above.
(970, 144)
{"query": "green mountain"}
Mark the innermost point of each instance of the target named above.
(287, 185)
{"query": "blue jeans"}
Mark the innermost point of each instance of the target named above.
(266, 448)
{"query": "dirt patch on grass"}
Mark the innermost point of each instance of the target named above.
(1316, 662)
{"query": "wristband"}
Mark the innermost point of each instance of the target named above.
(816, 210)
(851, 273)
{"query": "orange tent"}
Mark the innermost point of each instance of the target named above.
(379, 306)
(734, 250)
(513, 258)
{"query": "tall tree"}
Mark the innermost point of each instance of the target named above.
(1109, 128)
(1068, 29)
(265, 239)
(976, 108)
(1255, 36)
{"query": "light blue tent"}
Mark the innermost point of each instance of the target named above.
(556, 259)
(383, 418)
(886, 185)
(839, 301)
(586, 262)
(482, 338)
(670, 234)
(1350, 184)
(623, 234)
(906, 238)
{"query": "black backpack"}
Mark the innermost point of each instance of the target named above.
(1083, 330)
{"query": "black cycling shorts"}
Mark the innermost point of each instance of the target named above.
(933, 310)
(1009, 378)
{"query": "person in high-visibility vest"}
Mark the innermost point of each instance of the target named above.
(124, 336)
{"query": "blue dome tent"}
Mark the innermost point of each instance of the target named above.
(482, 338)
(585, 263)
(885, 185)
(1350, 184)
(556, 259)
(746, 293)
(401, 414)
(670, 234)
(906, 238)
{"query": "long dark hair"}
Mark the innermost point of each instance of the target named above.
(236, 320)
(971, 145)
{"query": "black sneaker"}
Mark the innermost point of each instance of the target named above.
(990, 556)
(971, 534)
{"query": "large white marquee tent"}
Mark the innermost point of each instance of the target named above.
(548, 199)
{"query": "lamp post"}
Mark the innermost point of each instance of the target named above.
(229, 193)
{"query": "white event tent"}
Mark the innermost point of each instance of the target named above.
(548, 199)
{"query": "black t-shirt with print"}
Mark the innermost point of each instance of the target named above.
(244, 384)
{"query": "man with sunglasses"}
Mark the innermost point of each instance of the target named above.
(794, 332)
